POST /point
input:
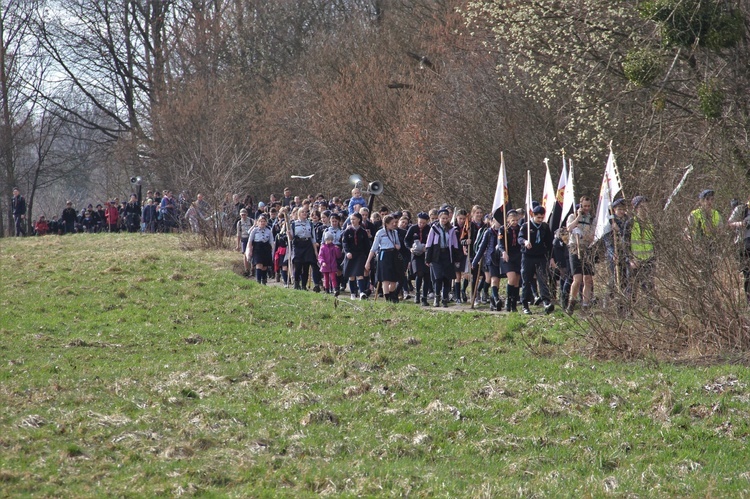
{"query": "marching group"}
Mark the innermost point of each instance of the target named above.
(442, 255)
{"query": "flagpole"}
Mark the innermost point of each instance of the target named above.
(476, 284)
(528, 196)
(505, 217)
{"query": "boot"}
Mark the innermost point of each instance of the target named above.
(571, 307)
(549, 307)
(516, 297)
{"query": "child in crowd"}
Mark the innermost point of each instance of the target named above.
(328, 258)
(356, 199)
(535, 238)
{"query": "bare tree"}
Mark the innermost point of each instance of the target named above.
(17, 64)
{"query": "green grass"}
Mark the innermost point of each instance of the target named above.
(131, 367)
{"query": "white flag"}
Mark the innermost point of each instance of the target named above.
(609, 189)
(548, 197)
(501, 191)
(612, 176)
(529, 199)
(569, 198)
(602, 223)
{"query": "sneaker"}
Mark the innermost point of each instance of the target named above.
(493, 304)
(549, 307)
(499, 305)
(527, 310)
(416, 300)
(407, 296)
(436, 303)
(337, 292)
(464, 298)
(477, 303)
(354, 296)
(431, 295)
(458, 300)
(538, 300)
(445, 303)
(424, 302)
(363, 296)
(316, 289)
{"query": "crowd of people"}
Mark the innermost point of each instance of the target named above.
(159, 211)
(443, 255)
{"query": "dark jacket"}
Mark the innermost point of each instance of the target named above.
(541, 239)
(18, 204)
(355, 241)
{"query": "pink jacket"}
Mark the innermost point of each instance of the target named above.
(330, 255)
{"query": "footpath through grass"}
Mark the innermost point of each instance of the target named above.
(130, 367)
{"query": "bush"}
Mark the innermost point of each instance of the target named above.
(697, 306)
(642, 66)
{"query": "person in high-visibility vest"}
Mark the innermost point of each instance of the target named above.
(641, 241)
(704, 221)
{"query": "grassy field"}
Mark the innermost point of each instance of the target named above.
(133, 367)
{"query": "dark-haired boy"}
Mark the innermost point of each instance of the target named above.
(535, 238)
